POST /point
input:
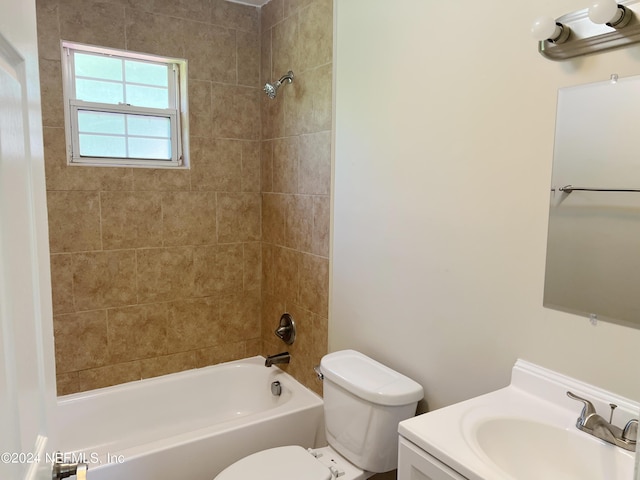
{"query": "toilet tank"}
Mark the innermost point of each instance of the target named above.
(363, 403)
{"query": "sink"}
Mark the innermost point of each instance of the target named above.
(525, 431)
(530, 450)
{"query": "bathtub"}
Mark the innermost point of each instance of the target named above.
(188, 425)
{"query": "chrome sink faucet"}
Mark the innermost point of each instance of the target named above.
(593, 424)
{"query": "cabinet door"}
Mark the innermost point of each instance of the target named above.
(416, 464)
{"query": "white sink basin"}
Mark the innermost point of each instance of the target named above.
(526, 431)
(530, 450)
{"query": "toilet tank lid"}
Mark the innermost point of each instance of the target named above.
(369, 379)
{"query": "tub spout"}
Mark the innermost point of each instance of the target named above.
(283, 357)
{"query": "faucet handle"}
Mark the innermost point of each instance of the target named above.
(630, 431)
(587, 410)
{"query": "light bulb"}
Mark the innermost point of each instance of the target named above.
(605, 11)
(545, 28)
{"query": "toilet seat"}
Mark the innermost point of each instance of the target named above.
(282, 463)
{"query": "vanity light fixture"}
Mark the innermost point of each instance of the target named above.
(546, 28)
(605, 25)
(609, 13)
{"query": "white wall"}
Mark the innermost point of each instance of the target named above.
(444, 127)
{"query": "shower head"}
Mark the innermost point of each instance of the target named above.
(271, 89)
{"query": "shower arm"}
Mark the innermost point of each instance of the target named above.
(287, 76)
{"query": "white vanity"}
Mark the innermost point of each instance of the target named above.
(526, 431)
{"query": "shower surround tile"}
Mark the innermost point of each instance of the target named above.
(296, 177)
(165, 270)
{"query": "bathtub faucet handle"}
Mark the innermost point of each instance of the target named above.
(286, 331)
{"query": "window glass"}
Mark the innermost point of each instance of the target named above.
(102, 146)
(99, 91)
(149, 148)
(101, 122)
(147, 126)
(146, 73)
(98, 66)
(145, 96)
(124, 108)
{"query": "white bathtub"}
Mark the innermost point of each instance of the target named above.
(188, 425)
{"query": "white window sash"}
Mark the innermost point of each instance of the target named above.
(176, 113)
(171, 114)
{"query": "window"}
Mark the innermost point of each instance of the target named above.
(124, 108)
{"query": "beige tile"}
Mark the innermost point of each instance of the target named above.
(226, 352)
(251, 173)
(316, 34)
(155, 34)
(280, 272)
(315, 163)
(193, 9)
(236, 112)
(241, 314)
(61, 176)
(137, 332)
(309, 105)
(189, 218)
(104, 279)
(164, 274)
(238, 217)
(193, 324)
(291, 7)
(155, 367)
(216, 165)
(235, 15)
(67, 383)
(272, 13)
(285, 49)
(253, 347)
(131, 219)
(95, 23)
(200, 119)
(62, 283)
(286, 152)
(265, 56)
(273, 114)
(218, 269)
(252, 265)
(248, 58)
(266, 164)
(314, 284)
(74, 221)
(51, 93)
(272, 309)
(80, 341)
(321, 225)
(109, 375)
(48, 29)
(299, 222)
(160, 179)
(274, 211)
(211, 52)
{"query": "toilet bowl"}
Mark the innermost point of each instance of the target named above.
(294, 463)
(363, 403)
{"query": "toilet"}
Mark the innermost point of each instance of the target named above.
(363, 403)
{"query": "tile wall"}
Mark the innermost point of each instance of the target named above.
(158, 271)
(297, 35)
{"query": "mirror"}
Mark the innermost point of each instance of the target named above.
(593, 246)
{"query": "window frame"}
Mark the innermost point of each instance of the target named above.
(177, 113)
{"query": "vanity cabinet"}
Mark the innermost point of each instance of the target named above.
(416, 464)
